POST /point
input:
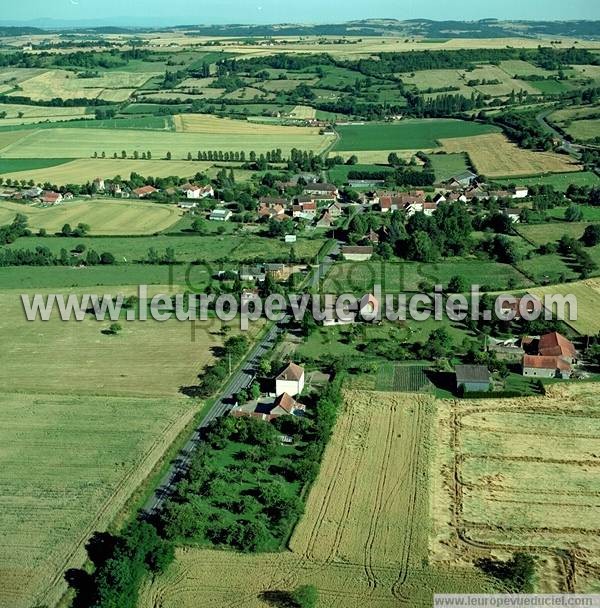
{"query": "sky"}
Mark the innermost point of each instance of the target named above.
(285, 11)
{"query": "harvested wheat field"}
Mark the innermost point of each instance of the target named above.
(363, 538)
(494, 156)
(104, 216)
(68, 464)
(212, 125)
(83, 170)
(523, 475)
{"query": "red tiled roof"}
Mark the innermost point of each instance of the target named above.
(555, 345)
(145, 190)
(285, 402)
(539, 362)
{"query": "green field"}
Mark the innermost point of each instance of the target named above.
(406, 135)
(339, 173)
(397, 378)
(187, 248)
(583, 130)
(12, 165)
(550, 232)
(560, 181)
(397, 277)
(53, 277)
(447, 165)
(551, 268)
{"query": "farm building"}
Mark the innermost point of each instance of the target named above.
(357, 253)
(253, 273)
(98, 184)
(197, 192)
(462, 180)
(220, 215)
(51, 198)
(305, 210)
(144, 191)
(521, 192)
(473, 378)
(552, 356)
(516, 306)
(321, 190)
(537, 366)
(513, 214)
(335, 210)
(325, 221)
(188, 204)
(290, 380)
(268, 409)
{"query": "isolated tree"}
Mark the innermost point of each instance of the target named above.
(591, 235)
(573, 213)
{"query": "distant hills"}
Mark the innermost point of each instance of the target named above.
(486, 28)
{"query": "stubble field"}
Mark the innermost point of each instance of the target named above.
(523, 475)
(82, 170)
(363, 538)
(494, 156)
(106, 217)
(84, 418)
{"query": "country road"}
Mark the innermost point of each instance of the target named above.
(238, 381)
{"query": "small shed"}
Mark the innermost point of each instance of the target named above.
(473, 378)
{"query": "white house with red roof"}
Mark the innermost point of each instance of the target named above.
(290, 380)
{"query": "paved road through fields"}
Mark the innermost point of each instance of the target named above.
(241, 379)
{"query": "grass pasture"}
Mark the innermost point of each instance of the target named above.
(187, 247)
(587, 293)
(583, 130)
(106, 216)
(559, 181)
(397, 277)
(84, 418)
(523, 475)
(352, 564)
(447, 165)
(549, 232)
(410, 134)
(494, 156)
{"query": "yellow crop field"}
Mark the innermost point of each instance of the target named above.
(494, 156)
(523, 474)
(104, 216)
(363, 538)
(204, 123)
(39, 113)
(65, 84)
(303, 112)
(587, 294)
(204, 135)
(84, 418)
(86, 169)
